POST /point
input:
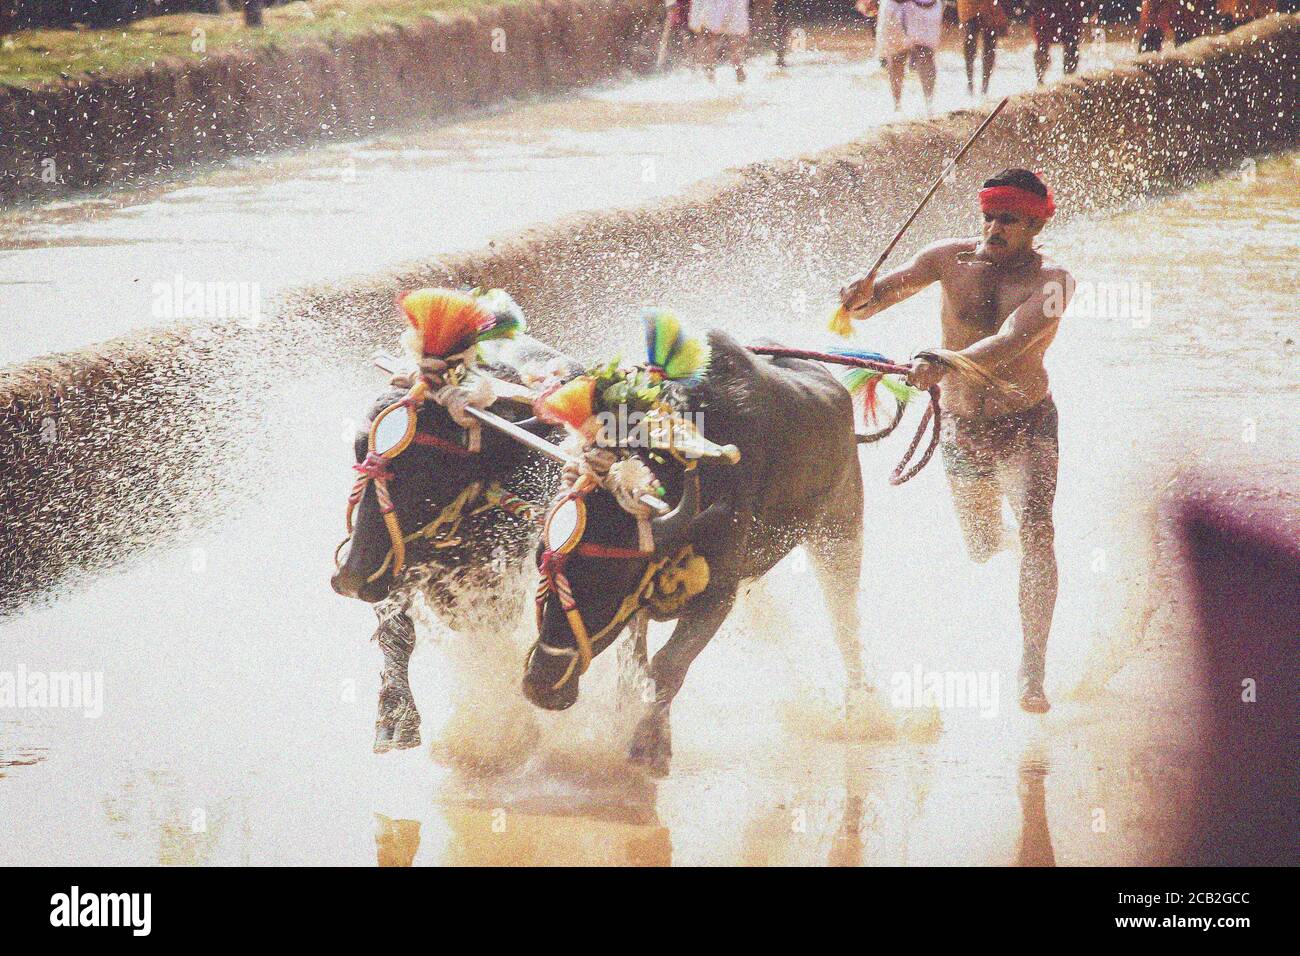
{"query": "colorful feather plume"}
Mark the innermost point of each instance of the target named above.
(447, 322)
(681, 357)
(572, 403)
(507, 318)
(868, 382)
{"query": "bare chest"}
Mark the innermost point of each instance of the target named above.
(978, 298)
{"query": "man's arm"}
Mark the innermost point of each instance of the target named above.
(865, 298)
(1036, 317)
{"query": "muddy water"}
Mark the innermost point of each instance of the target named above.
(77, 272)
(239, 692)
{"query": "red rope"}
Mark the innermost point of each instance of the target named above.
(901, 473)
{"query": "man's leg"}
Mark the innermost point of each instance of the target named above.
(1071, 33)
(1042, 44)
(969, 42)
(976, 496)
(897, 66)
(990, 56)
(923, 64)
(782, 11)
(1031, 486)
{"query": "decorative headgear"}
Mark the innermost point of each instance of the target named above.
(672, 358)
(447, 323)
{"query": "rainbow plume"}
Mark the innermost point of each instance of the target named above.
(447, 322)
(573, 403)
(682, 357)
(868, 382)
(507, 318)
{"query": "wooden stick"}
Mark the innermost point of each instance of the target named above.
(933, 189)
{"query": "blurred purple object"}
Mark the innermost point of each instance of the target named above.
(1244, 571)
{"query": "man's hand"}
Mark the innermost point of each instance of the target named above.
(926, 374)
(858, 292)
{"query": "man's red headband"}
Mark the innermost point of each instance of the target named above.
(1017, 200)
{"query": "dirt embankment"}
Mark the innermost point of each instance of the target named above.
(125, 128)
(109, 445)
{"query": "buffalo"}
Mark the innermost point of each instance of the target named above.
(603, 562)
(463, 503)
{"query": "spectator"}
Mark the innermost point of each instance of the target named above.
(1056, 21)
(986, 19)
(723, 24)
(676, 19)
(907, 31)
(781, 10)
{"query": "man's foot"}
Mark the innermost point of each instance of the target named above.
(1032, 698)
(709, 73)
(740, 73)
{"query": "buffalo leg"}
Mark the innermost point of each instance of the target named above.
(837, 562)
(398, 724)
(652, 745)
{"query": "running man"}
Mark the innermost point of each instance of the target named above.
(1002, 303)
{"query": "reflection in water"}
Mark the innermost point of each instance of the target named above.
(1035, 837)
(396, 841)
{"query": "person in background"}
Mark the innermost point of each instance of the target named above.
(1193, 18)
(676, 16)
(1153, 24)
(1056, 21)
(981, 19)
(907, 31)
(722, 24)
(781, 11)
(1243, 11)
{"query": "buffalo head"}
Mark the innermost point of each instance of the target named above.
(591, 550)
(430, 473)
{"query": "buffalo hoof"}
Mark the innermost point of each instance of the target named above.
(652, 746)
(398, 726)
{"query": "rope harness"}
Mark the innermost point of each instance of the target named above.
(552, 578)
(932, 414)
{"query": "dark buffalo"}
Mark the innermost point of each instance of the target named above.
(798, 482)
(466, 570)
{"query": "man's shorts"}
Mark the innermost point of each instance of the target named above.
(1021, 444)
(1057, 21)
(990, 13)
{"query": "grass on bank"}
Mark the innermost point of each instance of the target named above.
(31, 57)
